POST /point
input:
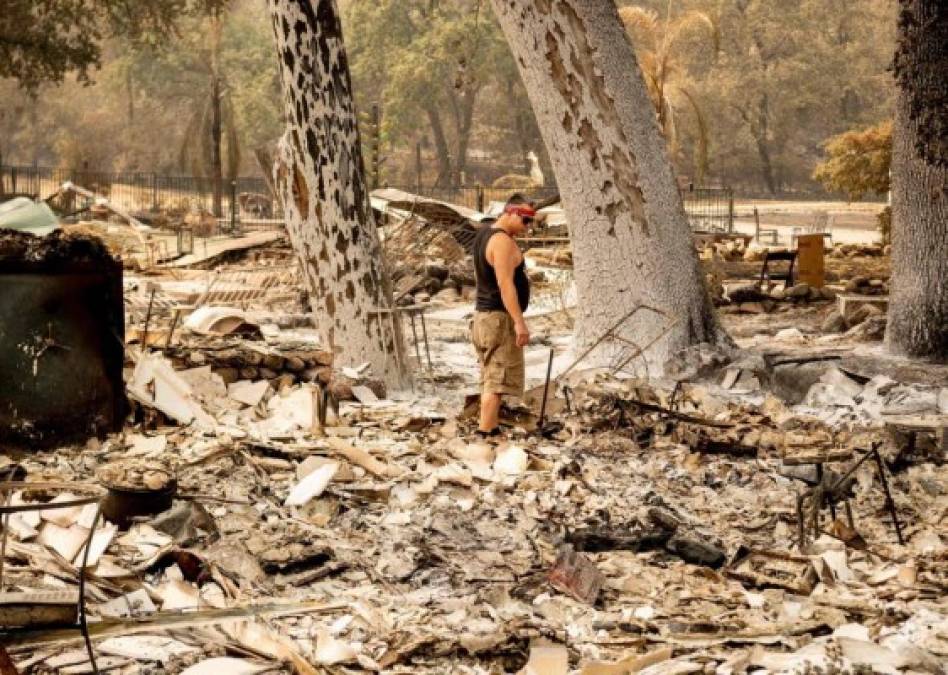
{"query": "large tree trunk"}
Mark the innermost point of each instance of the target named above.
(320, 177)
(918, 307)
(631, 240)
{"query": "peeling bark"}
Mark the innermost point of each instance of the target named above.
(319, 175)
(631, 240)
(918, 307)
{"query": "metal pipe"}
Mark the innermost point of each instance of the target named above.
(83, 624)
(414, 334)
(151, 300)
(889, 502)
(424, 332)
(546, 390)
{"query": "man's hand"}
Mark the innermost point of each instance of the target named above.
(523, 333)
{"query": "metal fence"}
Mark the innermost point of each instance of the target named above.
(140, 191)
(708, 209)
(477, 197)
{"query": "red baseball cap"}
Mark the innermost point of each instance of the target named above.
(522, 210)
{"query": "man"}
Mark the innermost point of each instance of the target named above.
(499, 331)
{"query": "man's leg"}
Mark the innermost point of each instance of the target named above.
(490, 412)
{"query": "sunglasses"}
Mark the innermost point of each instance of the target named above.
(527, 220)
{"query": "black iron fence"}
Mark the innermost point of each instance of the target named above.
(477, 197)
(247, 198)
(709, 209)
(143, 191)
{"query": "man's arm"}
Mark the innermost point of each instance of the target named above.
(504, 255)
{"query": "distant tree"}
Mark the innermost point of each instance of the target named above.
(858, 162)
(918, 307)
(43, 40)
(212, 121)
(428, 60)
(658, 47)
(787, 76)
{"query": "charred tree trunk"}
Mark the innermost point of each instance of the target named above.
(918, 308)
(320, 176)
(631, 240)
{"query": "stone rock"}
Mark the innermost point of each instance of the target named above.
(778, 293)
(436, 271)
(833, 323)
(791, 382)
(828, 293)
(752, 308)
(446, 294)
(696, 551)
(871, 330)
(856, 283)
(789, 334)
(862, 313)
(801, 290)
(745, 293)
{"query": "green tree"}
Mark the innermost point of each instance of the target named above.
(431, 59)
(43, 40)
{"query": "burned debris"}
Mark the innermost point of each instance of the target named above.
(255, 505)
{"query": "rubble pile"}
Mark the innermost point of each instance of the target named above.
(841, 398)
(266, 510)
(643, 526)
(753, 298)
(435, 281)
(235, 359)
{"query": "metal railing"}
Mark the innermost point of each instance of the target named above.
(143, 191)
(709, 209)
(247, 199)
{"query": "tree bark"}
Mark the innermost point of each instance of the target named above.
(217, 163)
(918, 306)
(631, 241)
(441, 144)
(320, 177)
(464, 119)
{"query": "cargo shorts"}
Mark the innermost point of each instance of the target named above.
(495, 340)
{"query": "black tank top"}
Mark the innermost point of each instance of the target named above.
(488, 292)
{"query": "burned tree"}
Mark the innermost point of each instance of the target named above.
(918, 310)
(631, 239)
(320, 177)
